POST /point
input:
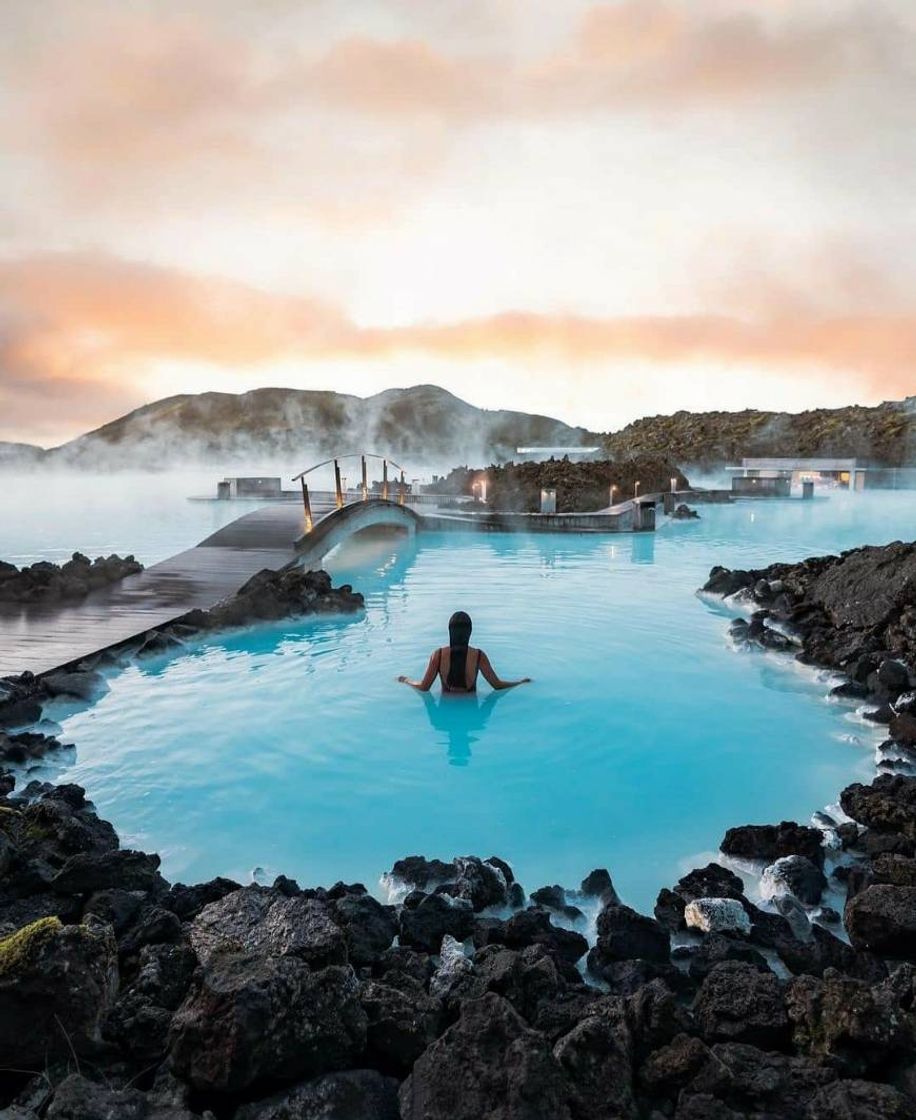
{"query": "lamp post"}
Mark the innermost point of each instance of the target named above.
(613, 492)
(636, 490)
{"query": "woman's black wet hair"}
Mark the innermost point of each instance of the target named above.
(459, 634)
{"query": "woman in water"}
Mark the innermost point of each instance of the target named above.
(457, 664)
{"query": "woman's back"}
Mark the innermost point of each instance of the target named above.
(450, 674)
(457, 664)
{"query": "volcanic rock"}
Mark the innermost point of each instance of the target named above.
(859, 1100)
(717, 915)
(253, 1019)
(623, 934)
(77, 1098)
(270, 595)
(771, 842)
(888, 805)
(534, 927)
(424, 926)
(554, 898)
(882, 919)
(262, 920)
(488, 1065)
(711, 881)
(187, 902)
(598, 884)
(89, 871)
(795, 876)
(738, 1003)
(56, 984)
(139, 1021)
(597, 1058)
(754, 1082)
(369, 928)
(77, 685)
(44, 582)
(402, 1022)
(713, 950)
(359, 1094)
(844, 1022)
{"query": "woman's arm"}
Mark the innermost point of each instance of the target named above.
(428, 677)
(491, 677)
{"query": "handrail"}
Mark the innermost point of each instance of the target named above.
(348, 455)
(338, 482)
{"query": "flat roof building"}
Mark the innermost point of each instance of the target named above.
(847, 474)
(541, 453)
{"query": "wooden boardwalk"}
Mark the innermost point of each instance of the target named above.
(43, 637)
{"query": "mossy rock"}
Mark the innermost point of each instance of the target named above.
(36, 831)
(11, 824)
(57, 983)
(23, 945)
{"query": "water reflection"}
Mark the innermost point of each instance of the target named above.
(643, 548)
(459, 720)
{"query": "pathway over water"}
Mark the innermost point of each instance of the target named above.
(40, 637)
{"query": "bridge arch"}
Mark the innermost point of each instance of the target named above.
(336, 526)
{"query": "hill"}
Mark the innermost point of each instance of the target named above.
(885, 435)
(19, 454)
(292, 424)
(427, 423)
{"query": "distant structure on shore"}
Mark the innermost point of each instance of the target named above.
(843, 474)
(541, 454)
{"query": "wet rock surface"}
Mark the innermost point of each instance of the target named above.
(45, 582)
(262, 1003)
(850, 1005)
(271, 595)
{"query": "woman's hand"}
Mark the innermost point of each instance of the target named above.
(403, 680)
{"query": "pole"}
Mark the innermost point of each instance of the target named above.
(402, 490)
(365, 481)
(307, 506)
(340, 500)
(385, 480)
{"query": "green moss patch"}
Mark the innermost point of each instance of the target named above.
(20, 946)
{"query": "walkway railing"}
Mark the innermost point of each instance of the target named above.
(401, 482)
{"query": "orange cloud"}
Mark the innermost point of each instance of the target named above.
(160, 88)
(87, 326)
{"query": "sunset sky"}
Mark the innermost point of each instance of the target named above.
(597, 211)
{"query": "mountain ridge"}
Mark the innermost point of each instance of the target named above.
(275, 423)
(425, 421)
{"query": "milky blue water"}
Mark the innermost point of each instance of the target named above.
(643, 737)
